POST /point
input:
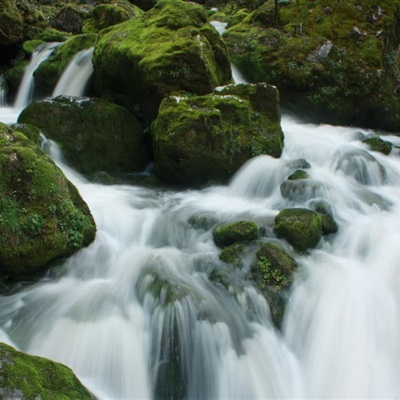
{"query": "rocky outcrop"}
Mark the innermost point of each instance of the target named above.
(203, 139)
(169, 48)
(95, 135)
(42, 215)
(336, 61)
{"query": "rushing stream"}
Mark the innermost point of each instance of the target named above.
(136, 309)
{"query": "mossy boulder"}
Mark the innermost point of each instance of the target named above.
(94, 134)
(106, 15)
(169, 48)
(272, 272)
(230, 233)
(273, 266)
(203, 139)
(233, 253)
(301, 227)
(378, 144)
(69, 19)
(42, 216)
(336, 61)
(49, 71)
(24, 376)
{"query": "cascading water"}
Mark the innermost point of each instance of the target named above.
(3, 92)
(137, 316)
(26, 87)
(74, 79)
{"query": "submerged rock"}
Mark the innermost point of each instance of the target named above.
(42, 215)
(202, 139)
(29, 377)
(301, 227)
(170, 48)
(377, 144)
(94, 134)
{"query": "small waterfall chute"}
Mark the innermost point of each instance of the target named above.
(76, 75)
(26, 87)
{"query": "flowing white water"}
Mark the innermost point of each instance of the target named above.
(25, 90)
(74, 79)
(137, 307)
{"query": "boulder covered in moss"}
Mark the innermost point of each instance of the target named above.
(42, 215)
(94, 134)
(105, 15)
(336, 61)
(272, 272)
(203, 139)
(170, 48)
(230, 233)
(24, 376)
(301, 227)
(49, 71)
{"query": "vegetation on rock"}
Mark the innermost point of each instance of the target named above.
(29, 377)
(170, 48)
(202, 139)
(42, 216)
(301, 227)
(94, 135)
(230, 233)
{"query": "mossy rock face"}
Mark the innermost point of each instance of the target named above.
(377, 144)
(30, 46)
(301, 227)
(298, 174)
(11, 22)
(233, 253)
(49, 71)
(346, 64)
(228, 234)
(202, 139)
(170, 48)
(94, 135)
(42, 216)
(29, 377)
(106, 15)
(272, 271)
(273, 267)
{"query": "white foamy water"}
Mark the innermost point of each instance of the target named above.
(137, 305)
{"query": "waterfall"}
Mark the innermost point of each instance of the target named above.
(75, 77)
(26, 87)
(137, 314)
(3, 92)
(139, 317)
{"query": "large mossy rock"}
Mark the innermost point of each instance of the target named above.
(301, 227)
(94, 134)
(230, 233)
(202, 139)
(170, 48)
(338, 61)
(42, 216)
(29, 377)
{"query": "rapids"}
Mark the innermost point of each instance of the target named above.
(136, 309)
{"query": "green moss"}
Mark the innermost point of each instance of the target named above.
(377, 144)
(53, 35)
(42, 216)
(232, 254)
(29, 377)
(298, 174)
(95, 135)
(167, 49)
(228, 234)
(198, 139)
(301, 227)
(31, 45)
